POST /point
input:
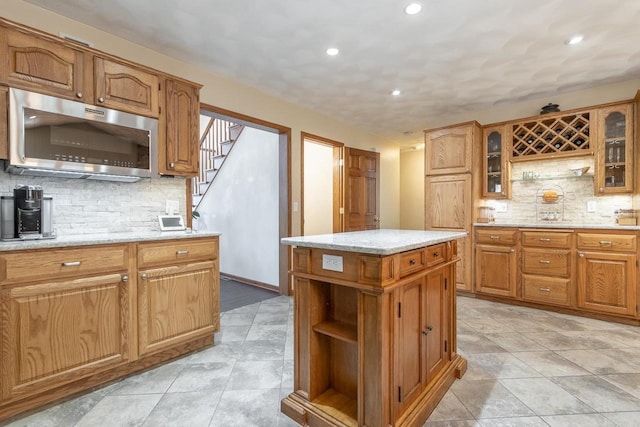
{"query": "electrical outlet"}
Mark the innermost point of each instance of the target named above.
(172, 207)
(332, 262)
(591, 205)
(501, 207)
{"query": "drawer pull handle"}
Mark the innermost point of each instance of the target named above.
(412, 261)
(144, 276)
(545, 289)
(494, 237)
(545, 239)
(182, 252)
(125, 278)
(605, 242)
(544, 261)
(71, 264)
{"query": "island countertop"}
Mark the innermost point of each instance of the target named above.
(376, 242)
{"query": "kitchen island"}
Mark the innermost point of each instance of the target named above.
(374, 325)
(80, 311)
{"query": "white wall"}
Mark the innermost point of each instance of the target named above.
(318, 188)
(412, 190)
(242, 204)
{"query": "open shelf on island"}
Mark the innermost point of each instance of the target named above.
(339, 330)
(339, 406)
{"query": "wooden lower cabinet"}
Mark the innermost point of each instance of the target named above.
(56, 332)
(72, 318)
(374, 354)
(176, 304)
(496, 270)
(607, 282)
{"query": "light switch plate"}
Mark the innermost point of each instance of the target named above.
(501, 207)
(332, 262)
(591, 205)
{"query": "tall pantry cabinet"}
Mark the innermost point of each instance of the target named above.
(453, 186)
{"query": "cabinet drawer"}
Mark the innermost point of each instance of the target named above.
(546, 262)
(607, 242)
(546, 290)
(436, 254)
(496, 237)
(545, 239)
(179, 251)
(412, 261)
(26, 266)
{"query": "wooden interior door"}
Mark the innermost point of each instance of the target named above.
(361, 189)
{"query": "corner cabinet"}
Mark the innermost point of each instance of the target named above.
(375, 343)
(614, 161)
(449, 150)
(496, 168)
(179, 126)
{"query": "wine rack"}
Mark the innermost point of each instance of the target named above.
(552, 136)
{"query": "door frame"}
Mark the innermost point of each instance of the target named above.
(284, 182)
(338, 148)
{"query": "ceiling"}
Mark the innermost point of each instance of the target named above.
(453, 57)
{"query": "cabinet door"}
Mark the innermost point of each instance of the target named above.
(125, 88)
(448, 202)
(409, 348)
(182, 115)
(496, 170)
(464, 267)
(57, 332)
(614, 160)
(41, 65)
(4, 134)
(496, 268)
(607, 282)
(448, 151)
(433, 308)
(177, 304)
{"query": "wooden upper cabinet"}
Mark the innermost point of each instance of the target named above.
(180, 122)
(449, 150)
(41, 65)
(614, 160)
(496, 168)
(126, 88)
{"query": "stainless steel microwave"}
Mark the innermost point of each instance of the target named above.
(50, 136)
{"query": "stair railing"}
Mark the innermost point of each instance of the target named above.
(215, 133)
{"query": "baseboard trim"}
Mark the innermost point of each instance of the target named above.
(250, 282)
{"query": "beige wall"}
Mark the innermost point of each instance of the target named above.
(412, 190)
(236, 97)
(318, 188)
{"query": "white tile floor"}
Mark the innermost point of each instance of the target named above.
(526, 368)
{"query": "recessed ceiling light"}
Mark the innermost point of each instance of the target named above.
(332, 51)
(413, 8)
(575, 39)
(395, 92)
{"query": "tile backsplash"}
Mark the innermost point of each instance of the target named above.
(525, 205)
(87, 207)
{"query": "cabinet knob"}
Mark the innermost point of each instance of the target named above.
(79, 94)
(512, 250)
(601, 190)
(144, 276)
(172, 165)
(412, 261)
(125, 278)
(101, 99)
(426, 331)
(436, 254)
(376, 219)
(581, 255)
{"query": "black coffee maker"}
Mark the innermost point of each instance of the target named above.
(28, 211)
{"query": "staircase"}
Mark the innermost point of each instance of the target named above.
(216, 142)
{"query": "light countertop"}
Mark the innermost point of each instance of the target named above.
(100, 239)
(563, 225)
(376, 242)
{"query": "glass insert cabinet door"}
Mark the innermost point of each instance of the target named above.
(615, 155)
(496, 167)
